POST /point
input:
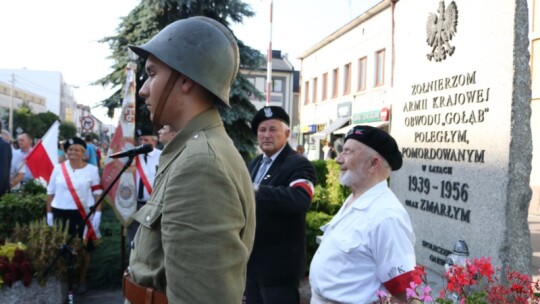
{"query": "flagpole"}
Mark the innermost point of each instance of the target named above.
(269, 60)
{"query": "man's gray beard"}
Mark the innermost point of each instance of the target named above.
(345, 178)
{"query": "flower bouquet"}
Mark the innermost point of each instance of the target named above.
(475, 282)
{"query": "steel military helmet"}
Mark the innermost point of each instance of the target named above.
(200, 48)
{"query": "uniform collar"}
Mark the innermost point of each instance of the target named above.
(202, 122)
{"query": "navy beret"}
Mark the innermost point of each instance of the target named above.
(74, 141)
(269, 112)
(380, 141)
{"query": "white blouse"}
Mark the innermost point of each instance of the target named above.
(85, 181)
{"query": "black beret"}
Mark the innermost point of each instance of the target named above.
(74, 141)
(145, 131)
(269, 112)
(380, 141)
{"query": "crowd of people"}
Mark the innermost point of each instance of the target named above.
(74, 185)
(211, 229)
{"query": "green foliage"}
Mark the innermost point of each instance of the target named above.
(328, 198)
(20, 208)
(67, 130)
(321, 170)
(146, 20)
(314, 221)
(329, 194)
(336, 193)
(34, 124)
(92, 134)
(43, 244)
(32, 187)
(47, 118)
(105, 270)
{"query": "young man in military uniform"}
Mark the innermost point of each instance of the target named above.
(283, 181)
(197, 228)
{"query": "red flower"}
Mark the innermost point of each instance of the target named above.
(484, 267)
(27, 279)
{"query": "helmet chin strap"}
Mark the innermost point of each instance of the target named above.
(163, 99)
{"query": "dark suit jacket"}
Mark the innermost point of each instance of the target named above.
(279, 252)
(5, 166)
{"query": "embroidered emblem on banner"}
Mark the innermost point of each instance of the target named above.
(440, 30)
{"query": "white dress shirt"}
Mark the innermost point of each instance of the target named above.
(17, 166)
(364, 245)
(152, 161)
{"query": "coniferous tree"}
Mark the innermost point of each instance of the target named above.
(146, 20)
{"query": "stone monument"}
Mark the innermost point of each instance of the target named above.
(461, 116)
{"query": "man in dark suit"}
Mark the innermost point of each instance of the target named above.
(5, 164)
(284, 183)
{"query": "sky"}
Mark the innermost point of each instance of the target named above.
(63, 35)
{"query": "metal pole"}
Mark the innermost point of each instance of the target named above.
(269, 60)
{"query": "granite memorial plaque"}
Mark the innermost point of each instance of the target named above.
(461, 116)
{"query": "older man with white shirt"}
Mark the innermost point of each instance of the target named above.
(146, 165)
(369, 244)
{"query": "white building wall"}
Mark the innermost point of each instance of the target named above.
(49, 84)
(362, 37)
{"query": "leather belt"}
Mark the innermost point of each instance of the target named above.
(138, 294)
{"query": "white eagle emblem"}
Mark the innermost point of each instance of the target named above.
(441, 29)
(268, 112)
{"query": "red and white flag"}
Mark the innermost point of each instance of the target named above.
(44, 156)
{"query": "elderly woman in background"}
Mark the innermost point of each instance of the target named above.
(74, 187)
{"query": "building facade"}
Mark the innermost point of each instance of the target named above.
(13, 97)
(346, 79)
(284, 88)
(49, 84)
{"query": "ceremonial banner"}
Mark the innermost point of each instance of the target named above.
(122, 196)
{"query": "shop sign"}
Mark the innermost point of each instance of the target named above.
(363, 117)
(344, 109)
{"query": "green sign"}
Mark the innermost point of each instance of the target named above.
(369, 116)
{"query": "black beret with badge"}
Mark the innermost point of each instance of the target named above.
(145, 131)
(380, 141)
(269, 112)
(74, 141)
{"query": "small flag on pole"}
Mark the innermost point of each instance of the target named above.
(44, 156)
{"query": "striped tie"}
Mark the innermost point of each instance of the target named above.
(262, 169)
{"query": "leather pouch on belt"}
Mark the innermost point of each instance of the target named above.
(149, 215)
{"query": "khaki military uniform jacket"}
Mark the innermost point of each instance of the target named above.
(196, 230)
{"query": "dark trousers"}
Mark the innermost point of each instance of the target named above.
(281, 294)
(75, 224)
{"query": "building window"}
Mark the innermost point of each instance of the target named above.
(347, 79)
(379, 68)
(335, 82)
(277, 85)
(306, 90)
(315, 89)
(324, 86)
(362, 68)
